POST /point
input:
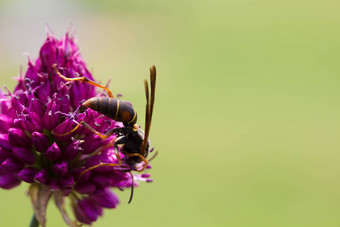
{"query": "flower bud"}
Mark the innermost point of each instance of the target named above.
(80, 175)
(60, 168)
(9, 180)
(37, 107)
(72, 150)
(101, 180)
(4, 142)
(85, 188)
(40, 141)
(32, 73)
(42, 177)
(25, 125)
(44, 92)
(105, 198)
(18, 138)
(66, 181)
(4, 154)
(53, 153)
(63, 128)
(27, 174)
(5, 123)
(48, 53)
(50, 120)
(24, 154)
(87, 211)
(12, 164)
(92, 143)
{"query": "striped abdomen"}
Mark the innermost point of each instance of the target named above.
(115, 109)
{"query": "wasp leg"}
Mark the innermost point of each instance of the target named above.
(103, 136)
(100, 165)
(82, 79)
(83, 123)
(100, 149)
(105, 164)
(132, 187)
(64, 134)
(141, 156)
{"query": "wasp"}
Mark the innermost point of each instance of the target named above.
(134, 141)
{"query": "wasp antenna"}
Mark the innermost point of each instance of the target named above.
(149, 106)
(132, 187)
(153, 156)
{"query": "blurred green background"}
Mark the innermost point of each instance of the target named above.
(247, 110)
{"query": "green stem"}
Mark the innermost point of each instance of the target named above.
(34, 222)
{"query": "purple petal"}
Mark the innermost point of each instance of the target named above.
(48, 54)
(12, 164)
(32, 73)
(60, 168)
(145, 175)
(40, 141)
(92, 143)
(4, 154)
(24, 154)
(26, 124)
(80, 176)
(5, 122)
(66, 181)
(50, 120)
(81, 216)
(44, 91)
(36, 107)
(54, 186)
(105, 198)
(42, 177)
(28, 174)
(4, 142)
(85, 188)
(88, 210)
(63, 128)
(101, 180)
(9, 180)
(36, 121)
(72, 150)
(53, 153)
(63, 97)
(18, 138)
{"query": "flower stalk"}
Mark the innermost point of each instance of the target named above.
(34, 222)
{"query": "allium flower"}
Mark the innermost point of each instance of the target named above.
(54, 166)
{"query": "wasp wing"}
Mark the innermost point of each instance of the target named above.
(153, 88)
(147, 119)
(149, 106)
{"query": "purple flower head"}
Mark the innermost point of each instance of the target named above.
(37, 148)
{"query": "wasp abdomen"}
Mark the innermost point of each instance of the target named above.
(115, 109)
